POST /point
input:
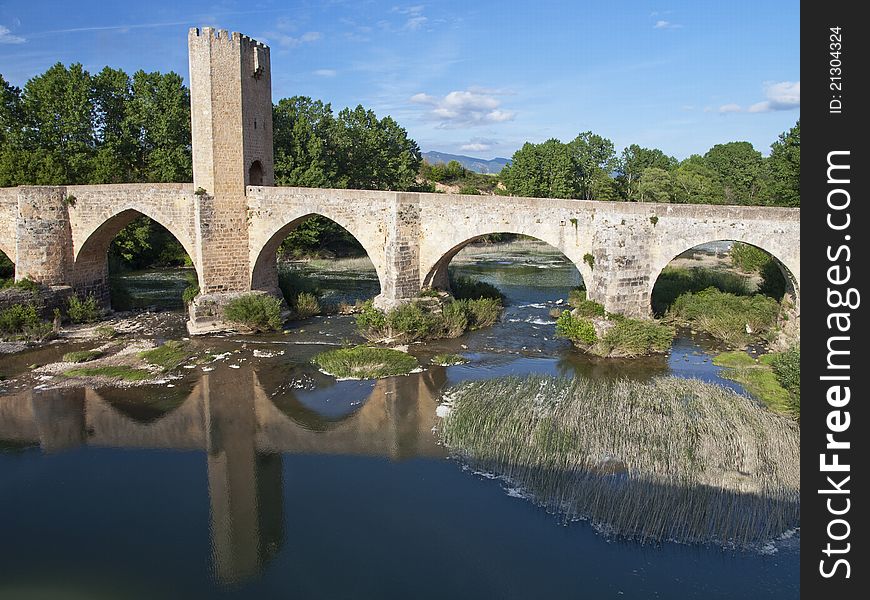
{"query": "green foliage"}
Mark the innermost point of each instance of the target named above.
(787, 369)
(655, 185)
(169, 356)
(675, 281)
(469, 190)
(784, 167)
(594, 159)
(633, 161)
(736, 320)
(318, 234)
(576, 329)
(748, 258)
(759, 379)
(466, 288)
(741, 169)
(106, 332)
(192, 289)
(634, 337)
(27, 285)
(146, 243)
(83, 311)
(364, 362)
(259, 312)
(589, 259)
(22, 321)
(122, 372)
(417, 321)
(448, 360)
(305, 305)
(694, 182)
(81, 356)
(545, 170)
(7, 269)
(583, 306)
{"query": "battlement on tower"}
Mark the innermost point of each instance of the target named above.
(231, 111)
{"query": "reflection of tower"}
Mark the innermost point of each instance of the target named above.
(60, 418)
(245, 488)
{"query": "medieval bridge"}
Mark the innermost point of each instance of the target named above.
(232, 218)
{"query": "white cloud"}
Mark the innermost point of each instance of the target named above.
(782, 95)
(730, 108)
(464, 109)
(6, 37)
(415, 19)
(477, 145)
(662, 24)
(326, 72)
(288, 41)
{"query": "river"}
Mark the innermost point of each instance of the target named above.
(256, 475)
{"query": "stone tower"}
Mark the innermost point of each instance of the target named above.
(231, 112)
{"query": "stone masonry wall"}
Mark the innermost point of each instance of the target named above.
(42, 248)
(8, 221)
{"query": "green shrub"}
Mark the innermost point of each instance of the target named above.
(169, 356)
(585, 307)
(576, 329)
(466, 288)
(106, 332)
(259, 312)
(81, 356)
(455, 317)
(292, 283)
(748, 258)
(25, 284)
(787, 369)
(413, 322)
(305, 305)
(447, 360)
(83, 311)
(633, 337)
(111, 372)
(484, 312)
(675, 281)
(469, 190)
(364, 362)
(371, 322)
(15, 319)
(192, 289)
(731, 318)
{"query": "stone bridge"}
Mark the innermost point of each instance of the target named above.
(232, 218)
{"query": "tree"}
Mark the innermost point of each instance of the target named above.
(545, 170)
(741, 170)
(696, 183)
(59, 126)
(784, 167)
(655, 185)
(593, 156)
(302, 127)
(632, 163)
(159, 114)
(115, 138)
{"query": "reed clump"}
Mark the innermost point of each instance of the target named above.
(669, 459)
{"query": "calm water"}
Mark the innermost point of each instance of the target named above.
(257, 476)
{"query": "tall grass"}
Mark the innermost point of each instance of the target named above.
(736, 320)
(364, 362)
(418, 321)
(258, 312)
(675, 281)
(669, 459)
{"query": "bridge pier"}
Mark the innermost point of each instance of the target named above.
(43, 241)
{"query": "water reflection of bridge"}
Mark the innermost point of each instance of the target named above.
(232, 417)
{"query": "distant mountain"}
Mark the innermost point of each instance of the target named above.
(478, 165)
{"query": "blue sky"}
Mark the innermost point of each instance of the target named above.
(473, 77)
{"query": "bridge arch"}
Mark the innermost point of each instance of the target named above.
(781, 259)
(90, 257)
(435, 273)
(264, 250)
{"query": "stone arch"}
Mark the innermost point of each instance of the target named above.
(9, 254)
(90, 258)
(791, 279)
(255, 173)
(435, 275)
(264, 264)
